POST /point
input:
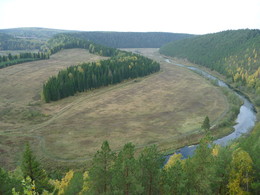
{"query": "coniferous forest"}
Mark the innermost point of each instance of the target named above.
(233, 53)
(96, 74)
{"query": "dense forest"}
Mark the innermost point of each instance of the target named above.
(9, 42)
(33, 33)
(122, 66)
(234, 169)
(36, 38)
(131, 39)
(233, 53)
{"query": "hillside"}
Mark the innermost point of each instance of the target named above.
(10, 42)
(33, 33)
(34, 38)
(234, 53)
(131, 39)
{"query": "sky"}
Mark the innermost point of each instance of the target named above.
(178, 16)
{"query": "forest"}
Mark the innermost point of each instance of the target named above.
(233, 53)
(9, 42)
(11, 59)
(37, 38)
(131, 39)
(234, 169)
(96, 74)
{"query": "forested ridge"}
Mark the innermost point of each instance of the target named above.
(131, 39)
(234, 169)
(9, 42)
(36, 38)
(233, 53)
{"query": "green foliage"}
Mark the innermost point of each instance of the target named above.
(212, 170)
(126, 173)
(97, 74)
(67, 41)
(131, 39)
(75, 184)
(21, 58)
(234, 53)
(10, 42)
(7, 183)
(173, 178)
(205, 125)
(150, 161)
(31, 168)
(200, 170)
(251, 145)
(100, 174)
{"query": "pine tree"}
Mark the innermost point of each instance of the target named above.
(206, 125)
(125, 172)
(150, 163)
(100, 175)
(31, 168)
(200, 169)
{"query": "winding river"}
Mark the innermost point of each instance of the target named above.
(244, 123)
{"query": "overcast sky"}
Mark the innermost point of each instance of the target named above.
(180, 16)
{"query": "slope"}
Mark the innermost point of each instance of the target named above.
(234, 53)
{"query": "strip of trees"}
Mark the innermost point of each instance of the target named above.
(8, 60)
(93, 75)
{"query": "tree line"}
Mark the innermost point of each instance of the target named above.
(131, 39)
(12, 59)
(67, 41)
(93, 75)
(233, 169)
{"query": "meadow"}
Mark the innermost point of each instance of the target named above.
(166, 108)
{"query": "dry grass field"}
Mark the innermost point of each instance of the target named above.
(158, 109)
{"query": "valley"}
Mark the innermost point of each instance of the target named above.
(166, 108)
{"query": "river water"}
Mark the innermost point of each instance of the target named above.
(244, 123)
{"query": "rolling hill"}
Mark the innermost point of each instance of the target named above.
(233, 53)
(37, 37)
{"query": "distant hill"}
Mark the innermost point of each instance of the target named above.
(26, 38)
(234, 53)
(131, 39)
(36, 37)
(33, 33)
(10, 42)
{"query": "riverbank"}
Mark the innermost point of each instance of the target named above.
(246, 118)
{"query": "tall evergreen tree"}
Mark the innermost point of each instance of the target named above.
(100, 175)
(32, 168)
(150, 163)
(200, 170)
(125, 172)
(206, 125)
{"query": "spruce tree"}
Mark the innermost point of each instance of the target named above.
(150, 163)
(100, 175)
(206, 125)
(126, 173)
(32, 168)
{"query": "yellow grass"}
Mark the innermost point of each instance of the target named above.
(160, 109)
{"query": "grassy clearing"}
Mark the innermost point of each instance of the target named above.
(165, 108)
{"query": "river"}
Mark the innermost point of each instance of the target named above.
(244, 123)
